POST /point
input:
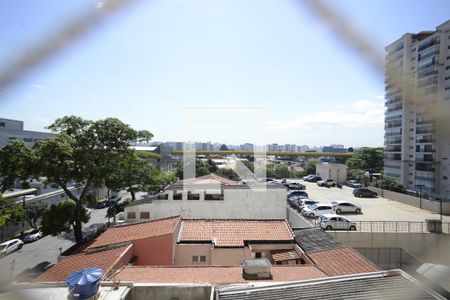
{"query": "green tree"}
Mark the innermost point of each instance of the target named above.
(212, 168)
(223, 148)
(116, 208)
(201, 169)
(15, 164)
(227, 173)
(83, 153)
(61, 217)
(311, 167)
(10, 212)
(282, 171)
(35, 211)
(391, 184)
(368, 159)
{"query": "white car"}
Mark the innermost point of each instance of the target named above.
(317, 210)
(335, 222)
(345, 207)
(10, 246)
(33, 235)
(327, 183)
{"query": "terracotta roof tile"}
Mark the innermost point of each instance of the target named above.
(212, 274)
(137, 231)
(342, 261)
(233, 233)
(280, 255)
(105, 260)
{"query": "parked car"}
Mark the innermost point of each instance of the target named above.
(32, 235)
(327, 183)
(364, 193)
(317, 210)
(353, 183)
(314, 178)
(335, 222)
(307, 177)
(345, 207)
(296, 186)
(294, 193)
(304, 203)
(10, 246)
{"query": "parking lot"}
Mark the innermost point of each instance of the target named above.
(373, 209)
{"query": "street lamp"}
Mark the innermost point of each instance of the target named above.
(420, 186)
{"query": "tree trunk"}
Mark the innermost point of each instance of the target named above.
(77, 226)
(133, 196)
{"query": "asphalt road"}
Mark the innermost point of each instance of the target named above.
(35, 257)
(374, 209)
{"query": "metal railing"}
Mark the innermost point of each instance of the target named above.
(396, 226)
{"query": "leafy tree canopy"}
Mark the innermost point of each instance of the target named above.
(61, 217)
(10, 212)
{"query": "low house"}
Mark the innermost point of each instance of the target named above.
(337, 172)
(211, 197)
(229, 242)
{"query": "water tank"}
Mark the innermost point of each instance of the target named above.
(84, 283)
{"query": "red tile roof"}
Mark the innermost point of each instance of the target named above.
(137, 231)
(106, 260)
(233, 233)
(342, 261)
(281, 255)
(212, 274)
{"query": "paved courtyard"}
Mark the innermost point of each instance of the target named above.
(374, 209)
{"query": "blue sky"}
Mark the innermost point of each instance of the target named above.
(252, 71)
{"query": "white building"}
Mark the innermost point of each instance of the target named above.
(11, 130)
(212, 197)
(417, 120)
(337, 172)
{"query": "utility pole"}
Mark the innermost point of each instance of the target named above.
(420, 194)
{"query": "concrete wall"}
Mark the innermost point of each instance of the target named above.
(239, 203)
(337, 172)
(433, 206)
(171, 292)
(154, 251)
(429, 247)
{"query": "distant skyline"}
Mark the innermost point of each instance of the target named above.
(153, 63)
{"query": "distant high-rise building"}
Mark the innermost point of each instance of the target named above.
(417, 119)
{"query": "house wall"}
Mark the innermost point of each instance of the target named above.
(184, 253)
(239, 203)
(154, 251)
(337, 172)
(124, 259)
(229, 256)
(266, 249)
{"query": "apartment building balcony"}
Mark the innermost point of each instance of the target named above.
(425, 160)
(393, 117)
(428, 44)
(395, 100)
(393, 149)
(426, 141)
(426, 151)
(424, 167)
(389, 156)
(425, 130)
(425, 123)
(395, 108)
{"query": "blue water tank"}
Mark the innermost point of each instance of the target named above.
(84, 283)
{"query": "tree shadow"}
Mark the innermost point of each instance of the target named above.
(30, 274)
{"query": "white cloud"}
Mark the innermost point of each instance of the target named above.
(39, 86)
(358, 114)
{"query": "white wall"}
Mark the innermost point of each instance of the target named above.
(337, 172)
(238, 203)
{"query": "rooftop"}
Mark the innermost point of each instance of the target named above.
(105, 260)
(234, 233)
(342, 261)
(378, 285)
(211, 274)
(208, 179)
(131, 232)
(315, 239)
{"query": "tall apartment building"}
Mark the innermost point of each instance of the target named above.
(13, 130)
(417, 119)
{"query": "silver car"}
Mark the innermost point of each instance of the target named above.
(335, 222)
(10, 246)
(345, 207)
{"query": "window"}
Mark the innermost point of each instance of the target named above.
(445, 177)
(28, 140)
(12, 138)
(163, 196)
(193, 196)
(178, 196)
(194, 258)
(258, 255)
(447, 67)
(145, 215)
(2, 124)
(202, 258)
(218, 196)
(131, 215)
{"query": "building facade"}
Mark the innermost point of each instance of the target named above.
(337, 172)
(13, 130)
(417, 117)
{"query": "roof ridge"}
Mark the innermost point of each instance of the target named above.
(144, 222)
